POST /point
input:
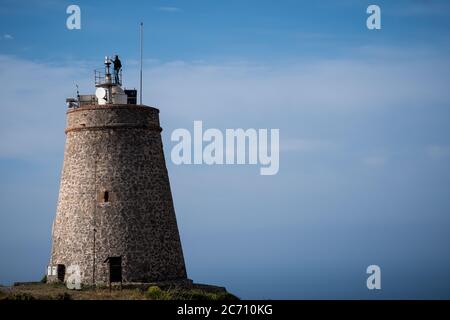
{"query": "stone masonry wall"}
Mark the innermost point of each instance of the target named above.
(115, 188)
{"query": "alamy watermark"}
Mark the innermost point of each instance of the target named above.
(236, 146)
(74, 20)
(373, 22)
(374, 280)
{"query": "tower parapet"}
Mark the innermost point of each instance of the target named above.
(113, 116)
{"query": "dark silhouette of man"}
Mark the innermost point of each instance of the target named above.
(117, 67)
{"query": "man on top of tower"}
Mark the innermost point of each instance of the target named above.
(117, 67)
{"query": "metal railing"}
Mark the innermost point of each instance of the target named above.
(102, 78)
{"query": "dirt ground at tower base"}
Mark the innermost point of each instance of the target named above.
(44, 291)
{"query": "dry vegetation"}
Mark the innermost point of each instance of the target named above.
(41, 291)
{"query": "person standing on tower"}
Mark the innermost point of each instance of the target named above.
(117, 67)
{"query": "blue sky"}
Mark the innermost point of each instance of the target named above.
(364, 136)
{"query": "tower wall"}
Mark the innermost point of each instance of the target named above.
(115, 197)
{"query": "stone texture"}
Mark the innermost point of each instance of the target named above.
(116, 149)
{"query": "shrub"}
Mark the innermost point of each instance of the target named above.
(154, 292)
(225, 296)
(63, 296)
(21, 297)
(198, 294)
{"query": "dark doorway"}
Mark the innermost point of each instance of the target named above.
(115, 269)
(60, 272)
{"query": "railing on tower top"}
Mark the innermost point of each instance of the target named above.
(102, 78)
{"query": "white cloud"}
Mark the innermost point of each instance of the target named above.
(230, 95)
(329, 85)
(32, 112)
(8, 37)
(168, 9)
(375, 161)
(307, 145)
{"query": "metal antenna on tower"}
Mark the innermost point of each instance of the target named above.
(78, 94)
(140, 79)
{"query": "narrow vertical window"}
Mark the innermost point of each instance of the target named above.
(106, 196)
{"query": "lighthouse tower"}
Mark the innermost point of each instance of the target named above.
(115, 218)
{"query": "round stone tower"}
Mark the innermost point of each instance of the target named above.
(115, 216)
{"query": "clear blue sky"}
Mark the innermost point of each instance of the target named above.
(364, 132)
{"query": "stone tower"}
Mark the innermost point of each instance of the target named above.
(115, 202)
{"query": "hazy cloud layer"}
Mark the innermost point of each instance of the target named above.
(33, 105)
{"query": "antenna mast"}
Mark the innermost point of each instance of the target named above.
(140, 79)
